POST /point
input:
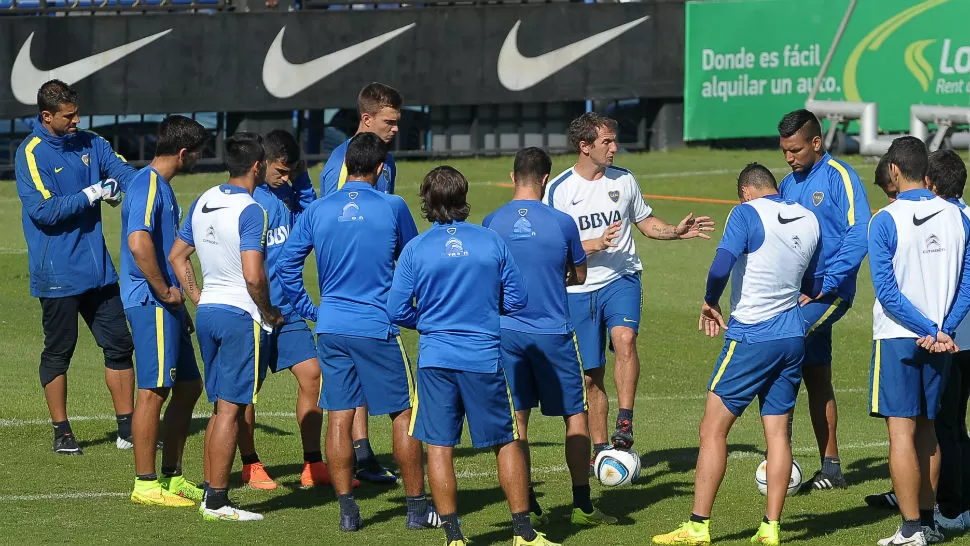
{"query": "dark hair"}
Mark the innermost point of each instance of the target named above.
(883, 178)
(531, 164)
(443, 195)
(242, 150)
(365, 153)
(948, 173)
(53, 94)
(282, 145)
(795, 121)
(584, 128)
(176, 133)
(756, 175)
(375, 96)
(908, 154)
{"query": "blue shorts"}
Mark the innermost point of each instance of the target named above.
(595, 313)
(290, 345)
(232, 346)
(163, 347)
(445, 397)
(905, 380)
(546, 369)
(363, 371)
(819, 316)
(770, 370)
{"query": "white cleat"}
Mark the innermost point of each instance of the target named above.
(121, 443)
(899, 540)
(230, 513)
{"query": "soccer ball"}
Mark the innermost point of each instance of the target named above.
(794, 484)
(615, 467)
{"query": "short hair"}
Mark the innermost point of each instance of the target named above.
(53, 94)
(375, 96)
(948, 173)
(281, 145)
(584, 128)
(242, 150)
(176, 133)
(883, 178)
(443, 195)
(908, 154)
(756, 175)
(531, 164)
(365, 153)
(794, 121)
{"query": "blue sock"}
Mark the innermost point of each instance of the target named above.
(831, 466)
(910, 527)
(417, 504)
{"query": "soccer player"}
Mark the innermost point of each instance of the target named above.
(379, 107)
(160, 324)
(287, 192)
(539, 351)
(63, 175)
(462, 276)
(770, 243)
(235, 313)
(604, 202)
(921, 275)
(832, 190)
(357, 234)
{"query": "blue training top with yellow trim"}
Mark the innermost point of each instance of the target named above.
(334, 174)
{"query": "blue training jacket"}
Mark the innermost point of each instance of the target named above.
(65, 244)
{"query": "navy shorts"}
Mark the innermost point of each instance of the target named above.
(769, 370)
(445, 397)
(290, 345)
(544, 370)
(363, 371)
(232, 346)
(819, 317)
(905, 380)
(595, 313)
(163, 347)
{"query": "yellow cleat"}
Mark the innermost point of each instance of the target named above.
(591, 520)
(152, 494)
(767, 534)
(178, 485)
(689, 532)
(462, 542)
(539, 540)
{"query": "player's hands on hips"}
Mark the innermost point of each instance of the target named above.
(711, 321)
(607, 239)
(172, 297)
(274, 318)
(691, 227)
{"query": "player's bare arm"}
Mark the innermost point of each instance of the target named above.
(143, 251)
(604, 241)
(182, 265)
(688, 228)
(258, 286)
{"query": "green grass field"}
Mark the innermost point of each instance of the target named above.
(55, 499)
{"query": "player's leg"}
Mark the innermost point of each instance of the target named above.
(186, 389)
(59, 319)
(309, 418)
(621, 301)
(519, 353)
(254, 473)
(950, 424)
(587, 318)
(935, 375)
(369, 469)
(904, 469)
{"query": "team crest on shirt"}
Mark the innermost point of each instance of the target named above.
(817, 198)
(86, 159)
(615, 195)
(350, 213)
(454, 248)
(171, 373)
(522, 228)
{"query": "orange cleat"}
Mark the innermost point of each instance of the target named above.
(318, 475)
(256, 477)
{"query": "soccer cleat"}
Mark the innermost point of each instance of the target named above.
(597, 517)
(429, 520)
(375, 473)
(462, 542)
(152, 494)
(883, 500)
(539, 540)
(66, 445)
(538, 519)
(350, 523)
(318, 475)
(256, 477)
(934, 534)
(230, 512)
(623, 435)
(178, 485)
(767, 534)
(952, 525)
(821, 480)
(128, 443)
(689, 532)
(899, 540)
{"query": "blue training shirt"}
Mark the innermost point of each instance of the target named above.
(150, 206)
(544, 242)
(462, 276)
(334, 174)
(833, 192)
(357, 233)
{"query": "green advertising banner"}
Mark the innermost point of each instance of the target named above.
(748, 62)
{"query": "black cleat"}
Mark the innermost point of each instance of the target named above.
(66, 445)
(623, 436)
(883, 500)
(821, 480)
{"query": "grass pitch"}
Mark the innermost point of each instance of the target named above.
(54, 499)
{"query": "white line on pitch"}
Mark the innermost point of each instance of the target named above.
(62, 496)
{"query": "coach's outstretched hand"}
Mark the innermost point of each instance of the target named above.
(711, 321)
(691, 227)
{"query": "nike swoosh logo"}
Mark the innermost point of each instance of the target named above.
(627, 320)
(788, 220)
(206, 209)
(58, 169)
(284, 79)
(921, 221)
(578, 202)
(25, 78)
(517, 72)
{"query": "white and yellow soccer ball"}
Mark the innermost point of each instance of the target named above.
(615, 467)
(794, 483)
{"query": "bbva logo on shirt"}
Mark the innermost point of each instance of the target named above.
(277, 236)
(598, 219)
